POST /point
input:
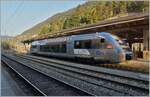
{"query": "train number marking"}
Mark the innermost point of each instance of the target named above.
(81, 51)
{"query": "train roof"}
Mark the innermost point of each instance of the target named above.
(72, 37)
(114, 36)
(53, 40)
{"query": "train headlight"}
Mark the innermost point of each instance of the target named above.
(109, 46)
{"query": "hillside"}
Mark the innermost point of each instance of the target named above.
(88, 13)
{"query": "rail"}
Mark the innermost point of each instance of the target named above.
(115, 81)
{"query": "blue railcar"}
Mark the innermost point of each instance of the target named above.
(100, 46)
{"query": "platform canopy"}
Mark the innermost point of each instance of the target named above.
(131, 24)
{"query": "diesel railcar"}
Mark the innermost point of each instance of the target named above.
(100, 46)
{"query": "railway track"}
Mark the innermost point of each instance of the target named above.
(129, 74)
(120, 66)
(42, 84)
(106, 81)
(26, 87)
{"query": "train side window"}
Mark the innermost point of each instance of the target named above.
(41, 48)
(63, 48)
(56, 48)
(83, 44)
(87, 44)
(44, 48)
(33, 46)
(77, 44)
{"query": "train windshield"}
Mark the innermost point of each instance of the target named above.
(122, 42)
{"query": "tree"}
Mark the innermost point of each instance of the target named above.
(84, 20)
(88, 13)
(45, 30)
(135, 6)
(5, 45)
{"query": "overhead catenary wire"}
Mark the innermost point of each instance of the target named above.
(10, 19)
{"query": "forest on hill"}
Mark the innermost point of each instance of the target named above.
(88, 13)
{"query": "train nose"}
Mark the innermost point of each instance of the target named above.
(122, 57)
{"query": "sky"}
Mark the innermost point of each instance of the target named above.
(20, 15)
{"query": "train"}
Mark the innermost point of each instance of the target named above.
(99, 46)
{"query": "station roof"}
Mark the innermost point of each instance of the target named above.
(138, 20)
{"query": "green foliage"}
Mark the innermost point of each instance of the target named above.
(45, 29)
(5, 45)
(88, 13)
(8, 43)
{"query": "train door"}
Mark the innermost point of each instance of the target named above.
(99, 48)
(70, 47)
(83, 48)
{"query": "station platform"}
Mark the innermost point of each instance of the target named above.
(9, 86)
(138, 64)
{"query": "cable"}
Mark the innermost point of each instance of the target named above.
(16, 10)
(13, 14)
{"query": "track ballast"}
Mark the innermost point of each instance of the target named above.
(90, 79)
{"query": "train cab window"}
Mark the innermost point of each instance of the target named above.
(52, 48)
(102, 40)
(83, 44)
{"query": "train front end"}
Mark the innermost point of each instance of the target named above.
(119, 49)
(126, 52)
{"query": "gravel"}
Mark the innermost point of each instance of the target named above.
(123, 80)
(46, 84)
(98, 86)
